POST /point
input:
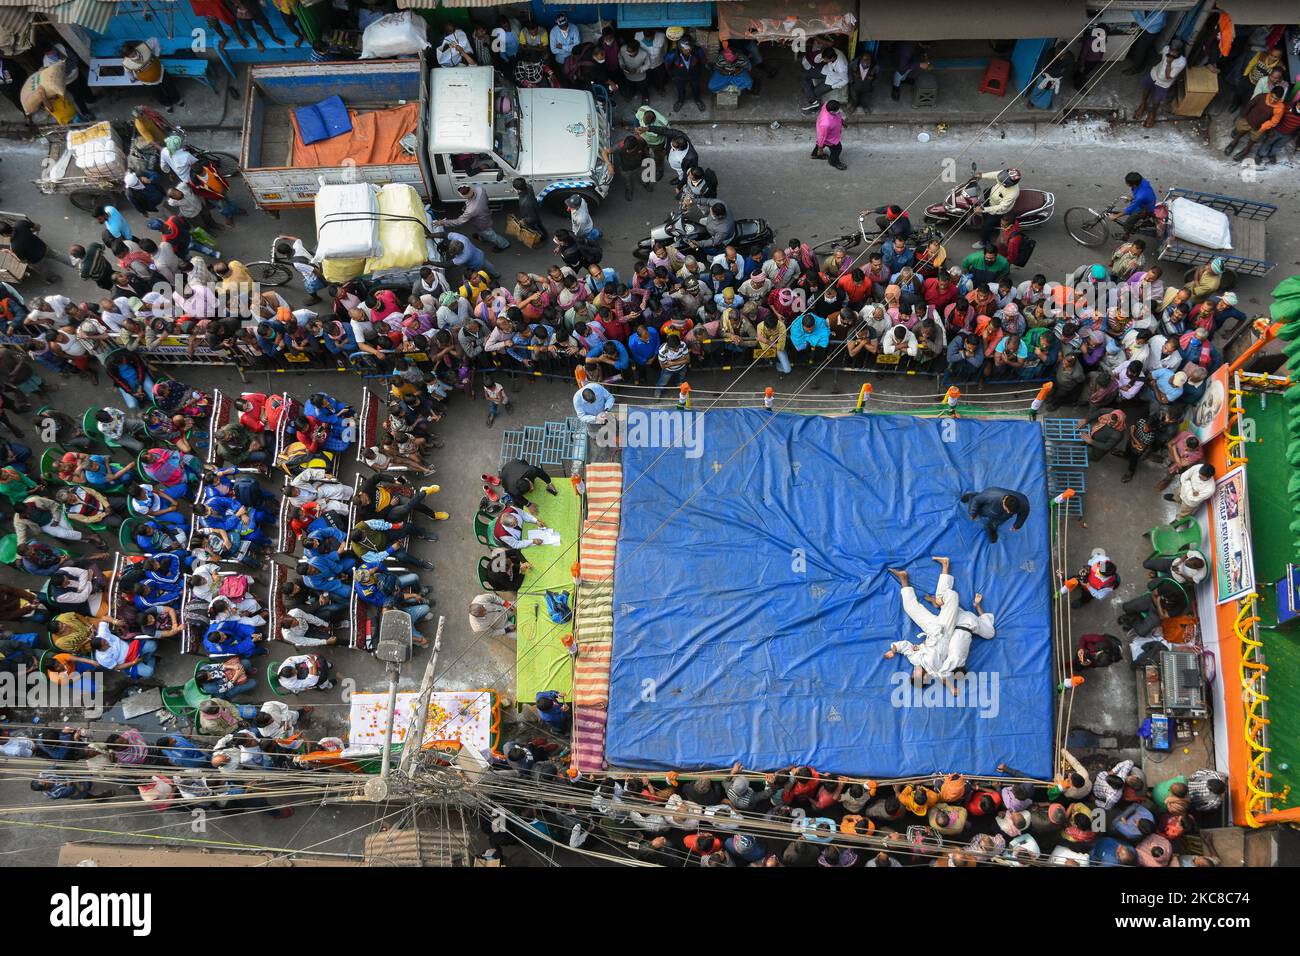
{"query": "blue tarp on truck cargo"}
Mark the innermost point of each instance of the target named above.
(751, 624)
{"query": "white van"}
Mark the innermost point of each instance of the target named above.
(482, 129)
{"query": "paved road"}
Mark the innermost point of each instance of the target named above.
(762, 173)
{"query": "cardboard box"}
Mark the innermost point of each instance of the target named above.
(1200, 87)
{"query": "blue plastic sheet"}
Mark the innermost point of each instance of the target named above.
(751, 624)
(323, 120)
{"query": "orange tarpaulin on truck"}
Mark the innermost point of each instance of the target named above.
(374, 141)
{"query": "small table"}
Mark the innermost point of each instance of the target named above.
(109, 71)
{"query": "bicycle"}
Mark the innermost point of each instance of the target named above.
(226, 164)
(274, 272)
(1093, 229)
(850, 240)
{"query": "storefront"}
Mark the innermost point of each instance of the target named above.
(629, 15)
(1283, 15)
(1016, 30)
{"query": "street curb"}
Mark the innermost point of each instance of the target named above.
(1116, 117)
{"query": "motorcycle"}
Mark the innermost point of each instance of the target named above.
(750, 234)
(1033, 206)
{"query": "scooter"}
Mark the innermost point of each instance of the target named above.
(1033, 206)
(677, 230)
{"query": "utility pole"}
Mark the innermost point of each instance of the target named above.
(394, 649)
(415, 735)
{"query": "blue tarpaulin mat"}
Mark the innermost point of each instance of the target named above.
(751, 624)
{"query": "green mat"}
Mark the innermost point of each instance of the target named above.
(541, 661)
(1267, 474)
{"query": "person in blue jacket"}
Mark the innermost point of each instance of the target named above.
(1142, 204)
(810, 336)
(181, 752)
(642, 347)
(994, 506)
(1108, 851)
(608, 361)
(232, 639)
(328, 409)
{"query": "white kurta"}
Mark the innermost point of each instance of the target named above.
(936, 628)
(945, 636)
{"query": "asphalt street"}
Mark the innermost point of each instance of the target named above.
(762, 173)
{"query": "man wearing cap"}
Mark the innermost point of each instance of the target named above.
(564, 38)
(143, 191)
(685, 64)
(1216, 310)
(1206, 280)
(745, 849)
(1167, 385)
(580, 221)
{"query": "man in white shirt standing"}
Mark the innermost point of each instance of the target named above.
(564, 38)
(1156, 84)
(655, 45)
(1195, 485)
(454, 48)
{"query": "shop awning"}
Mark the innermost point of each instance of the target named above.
(1254, 13)
(16, 30)
(960, 20)
(783, 20)
(1122, 7)
(91, 15)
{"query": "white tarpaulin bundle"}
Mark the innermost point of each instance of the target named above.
(95, 149)
(398, 34)
(1200, 224)
(347, 221)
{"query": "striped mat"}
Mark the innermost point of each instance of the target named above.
(589, 739)
(594, 623)
(594, 633)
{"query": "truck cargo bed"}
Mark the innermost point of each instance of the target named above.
(275, 90)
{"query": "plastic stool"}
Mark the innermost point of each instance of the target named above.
(995, 79)
(925, 91)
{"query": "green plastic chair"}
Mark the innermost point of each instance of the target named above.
(484, 563)
(173, 699)
(1168, 540)
(483, 530)
(48, 460)
(9, 548)
(126, 536)
(91, 427)
(273, 678)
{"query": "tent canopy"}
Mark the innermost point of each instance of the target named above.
(958, 20)
(784, 20)
(1254, 13)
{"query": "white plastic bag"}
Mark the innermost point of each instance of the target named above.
(347, 221)
(1200, 224)
(398, 34)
